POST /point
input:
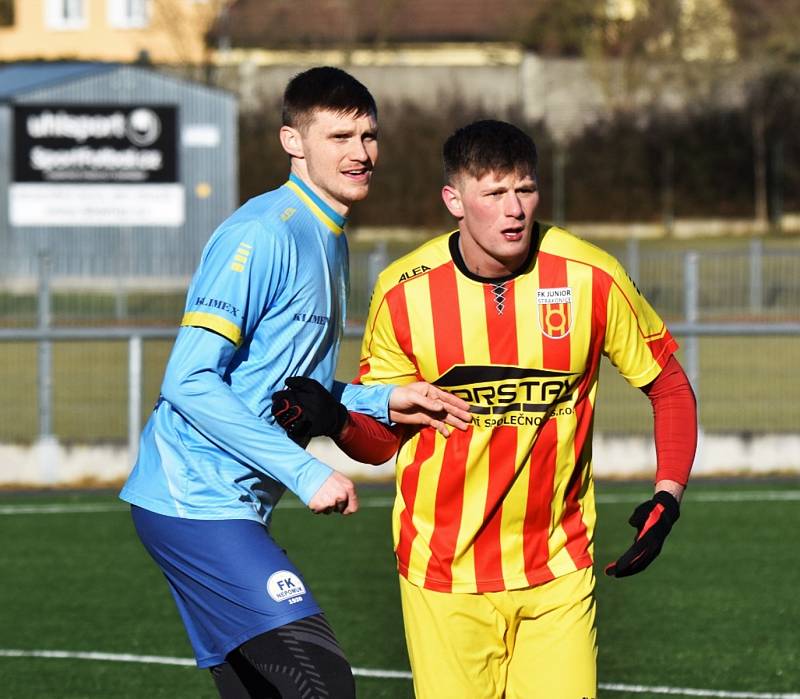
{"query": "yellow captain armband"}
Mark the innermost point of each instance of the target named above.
(209, 321)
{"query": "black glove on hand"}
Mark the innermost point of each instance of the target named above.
(306, 409)
(653, 521)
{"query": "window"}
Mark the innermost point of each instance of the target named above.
(6, 13)
(128, 14)
(65, 14)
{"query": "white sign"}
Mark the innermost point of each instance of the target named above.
(200, 136)
(111, 205)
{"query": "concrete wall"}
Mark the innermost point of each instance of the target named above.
(567, 94)
(50, 464)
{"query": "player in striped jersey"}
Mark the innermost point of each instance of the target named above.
(493, 528)
(267, 301)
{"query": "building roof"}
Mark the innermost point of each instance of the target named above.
(315, 23)
(19, 78)
(22, 77)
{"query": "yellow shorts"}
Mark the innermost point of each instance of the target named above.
(535, 643)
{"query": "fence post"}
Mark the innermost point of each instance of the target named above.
(47, 450)
(45, 352)
(134, 395)
(692, 311)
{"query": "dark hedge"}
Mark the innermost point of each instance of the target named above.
(644, 167)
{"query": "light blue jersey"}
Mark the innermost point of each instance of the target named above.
(267, 302)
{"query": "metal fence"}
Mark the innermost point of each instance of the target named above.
(84, 366)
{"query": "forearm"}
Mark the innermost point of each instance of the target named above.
(370, 400)
(367, 440)
(672, 487)
(675, 427)
(194, 386)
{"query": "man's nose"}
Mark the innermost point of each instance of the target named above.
(513, 206)
(358, 151)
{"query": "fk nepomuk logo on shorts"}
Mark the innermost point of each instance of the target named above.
(555, 311)
(285, 586)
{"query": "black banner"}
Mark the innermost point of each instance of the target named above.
(131, 144)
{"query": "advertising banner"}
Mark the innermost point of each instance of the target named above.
(86, 165)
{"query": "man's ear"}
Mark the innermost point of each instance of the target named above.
(452, 200)
(292, 141)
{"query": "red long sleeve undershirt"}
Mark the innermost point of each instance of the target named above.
(674, 414)
(367, 440)
(674, 422)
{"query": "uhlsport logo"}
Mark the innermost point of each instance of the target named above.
(143, 127)
(555, 311)
(285, 586)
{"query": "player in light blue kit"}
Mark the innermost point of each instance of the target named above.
(267, 302)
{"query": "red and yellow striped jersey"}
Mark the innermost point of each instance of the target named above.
(510, 502)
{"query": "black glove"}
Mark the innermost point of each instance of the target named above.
(306, 409)
(653, 521)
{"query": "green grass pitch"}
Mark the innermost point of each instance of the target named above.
(717, 611)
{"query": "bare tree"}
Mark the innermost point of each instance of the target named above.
(187, 25)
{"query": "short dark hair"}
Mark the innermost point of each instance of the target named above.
(327, 88)
(488, 146)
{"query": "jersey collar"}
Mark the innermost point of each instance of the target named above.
(335, 222)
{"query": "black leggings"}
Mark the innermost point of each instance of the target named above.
(301, 660)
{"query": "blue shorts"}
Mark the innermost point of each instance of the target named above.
(229, 578)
